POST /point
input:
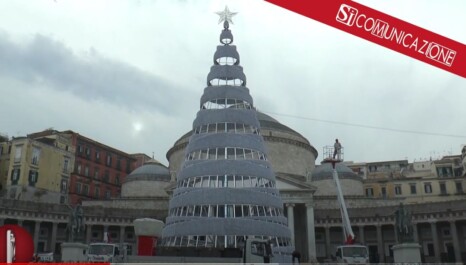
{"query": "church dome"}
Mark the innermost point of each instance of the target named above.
(149, 180)
(151, 170)
(322, 178)
(268, 122)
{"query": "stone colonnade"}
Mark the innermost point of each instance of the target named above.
(48, 235)
(440, 240)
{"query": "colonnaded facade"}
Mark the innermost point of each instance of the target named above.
(308, 194)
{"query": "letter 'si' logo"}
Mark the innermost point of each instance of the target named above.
(347, 15)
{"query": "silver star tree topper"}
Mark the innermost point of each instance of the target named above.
(226, 15)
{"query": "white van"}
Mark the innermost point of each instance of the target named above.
(352, 254)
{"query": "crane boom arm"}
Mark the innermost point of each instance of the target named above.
(348, 231)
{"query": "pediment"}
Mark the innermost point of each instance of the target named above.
(289, 183)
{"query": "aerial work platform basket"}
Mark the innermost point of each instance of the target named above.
(333, 156)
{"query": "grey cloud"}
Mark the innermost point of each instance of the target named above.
(45, 61)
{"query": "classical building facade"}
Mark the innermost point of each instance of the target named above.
(99, 170)
(35, 170)
(143, 195)
(313, 216)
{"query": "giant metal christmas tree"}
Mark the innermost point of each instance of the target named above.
(226, 188)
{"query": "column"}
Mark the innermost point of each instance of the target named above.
(36, 235)
(361, 234)
(290, 211)
(328, 251)
(395, 230)
(53, 239)
(415, 233)
(433, 227)
(88, 233)
(456, 242)
(106, 235)
(122, 234)
(380, 245)
(311, 238)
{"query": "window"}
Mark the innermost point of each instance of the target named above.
(459, 187)
(78, 188)
(86, 190)
(15, 176)
(96, 172)
(369, 192)
(86, 171)
(18, 151)
(97, 192)
(64, 186)
(398, 189)
(118, 165)
(117, 179)
(427, 188)
(384, 192)
(443, 188)
(35, 156)
(66, 162)
(88, 152)
(430, 250)
(444, 172)
(80, 149)
(412, 187)
(33, 177)
(128, 166)
(78, 168)
(106, 176)
(109, 160)
(107, 194)
(97, 155)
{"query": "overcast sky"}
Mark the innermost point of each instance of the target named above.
(130, 74)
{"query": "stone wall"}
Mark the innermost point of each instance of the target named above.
(141, 205)
(348, 186)
(144, 188)
(289, 156)
(26, 193)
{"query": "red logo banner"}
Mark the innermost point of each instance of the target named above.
(385, 30)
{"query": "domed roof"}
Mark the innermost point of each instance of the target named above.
(325, 171)
(151, 170)
(266, 122)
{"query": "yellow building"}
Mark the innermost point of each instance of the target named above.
(35, 170)
(436, 180)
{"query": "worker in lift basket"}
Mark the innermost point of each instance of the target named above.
(337, 149)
